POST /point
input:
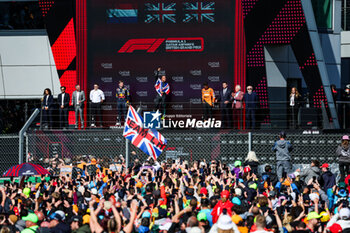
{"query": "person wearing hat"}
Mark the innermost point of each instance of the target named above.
(76, 223)
(57, 224)
(92, 168)
(224, 203)
(342, 218)
(31, 223)
(237, 169)
(313, 220)
(343, 153)
(282, 148)
(327, 179)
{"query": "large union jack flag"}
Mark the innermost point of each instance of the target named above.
(149, 141)
(199, 12)
(162, 88)
(160, 12)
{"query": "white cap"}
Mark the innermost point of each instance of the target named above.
(94, 191)
(195, 230)
(61, 214)
(238, 191)
(225, 222)
(344, 213)
(81, 189)
(313, 196)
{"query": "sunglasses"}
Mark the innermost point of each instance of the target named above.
(249, 88)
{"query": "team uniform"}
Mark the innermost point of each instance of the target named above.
(123, 98)
(162, 89)
(208, 98)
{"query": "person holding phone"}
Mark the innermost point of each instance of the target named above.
(313, 173)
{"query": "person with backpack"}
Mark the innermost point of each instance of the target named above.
(343, 153)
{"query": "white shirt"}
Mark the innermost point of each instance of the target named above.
(96, 96)
(78, 93)
(224, 91)
(236, 95)
(62, 99)
(46, 99)
(292, 103)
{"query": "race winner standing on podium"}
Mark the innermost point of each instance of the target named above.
(123, 98)
(162, 89)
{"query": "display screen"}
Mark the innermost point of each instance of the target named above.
(192, 41)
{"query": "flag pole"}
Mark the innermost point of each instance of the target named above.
(127, 152)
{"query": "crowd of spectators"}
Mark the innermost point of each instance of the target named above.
(20, 15)
(175, 196)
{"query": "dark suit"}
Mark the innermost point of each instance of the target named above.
(47, 113)
(251, 105)
(63, 111)
(226, 110)
(293, 112)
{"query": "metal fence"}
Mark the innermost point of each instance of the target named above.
(8, 151)
(223, 145)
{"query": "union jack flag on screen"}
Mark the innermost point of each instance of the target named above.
(162, 87)
(160, 12)
(199, 12)
(149, 141)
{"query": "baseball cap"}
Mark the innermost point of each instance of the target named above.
(313, 215)
(107, 205)
(335, 228)
(236, 201)
(204, 191)
(238, 191)
(345, 137)
(237, 163)
(342, 193)
(86, 219)
(146, 214)
(76, 219)
(26, 192)
(236, 218)
(325, 216)
(31, 217)
(202, 216)
(13, 218)
(252, 185)
(225, 222)
(344, 213)
(326, 165)
(93, 161)
(247, 169)
(94, 191)
(225, 193)
(195, 230)
(272, 193)
(342, 185)
(314, 196)
(282, 134)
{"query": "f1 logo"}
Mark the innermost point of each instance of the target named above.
(151, 45)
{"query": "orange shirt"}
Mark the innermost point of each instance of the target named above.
(208, 96)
